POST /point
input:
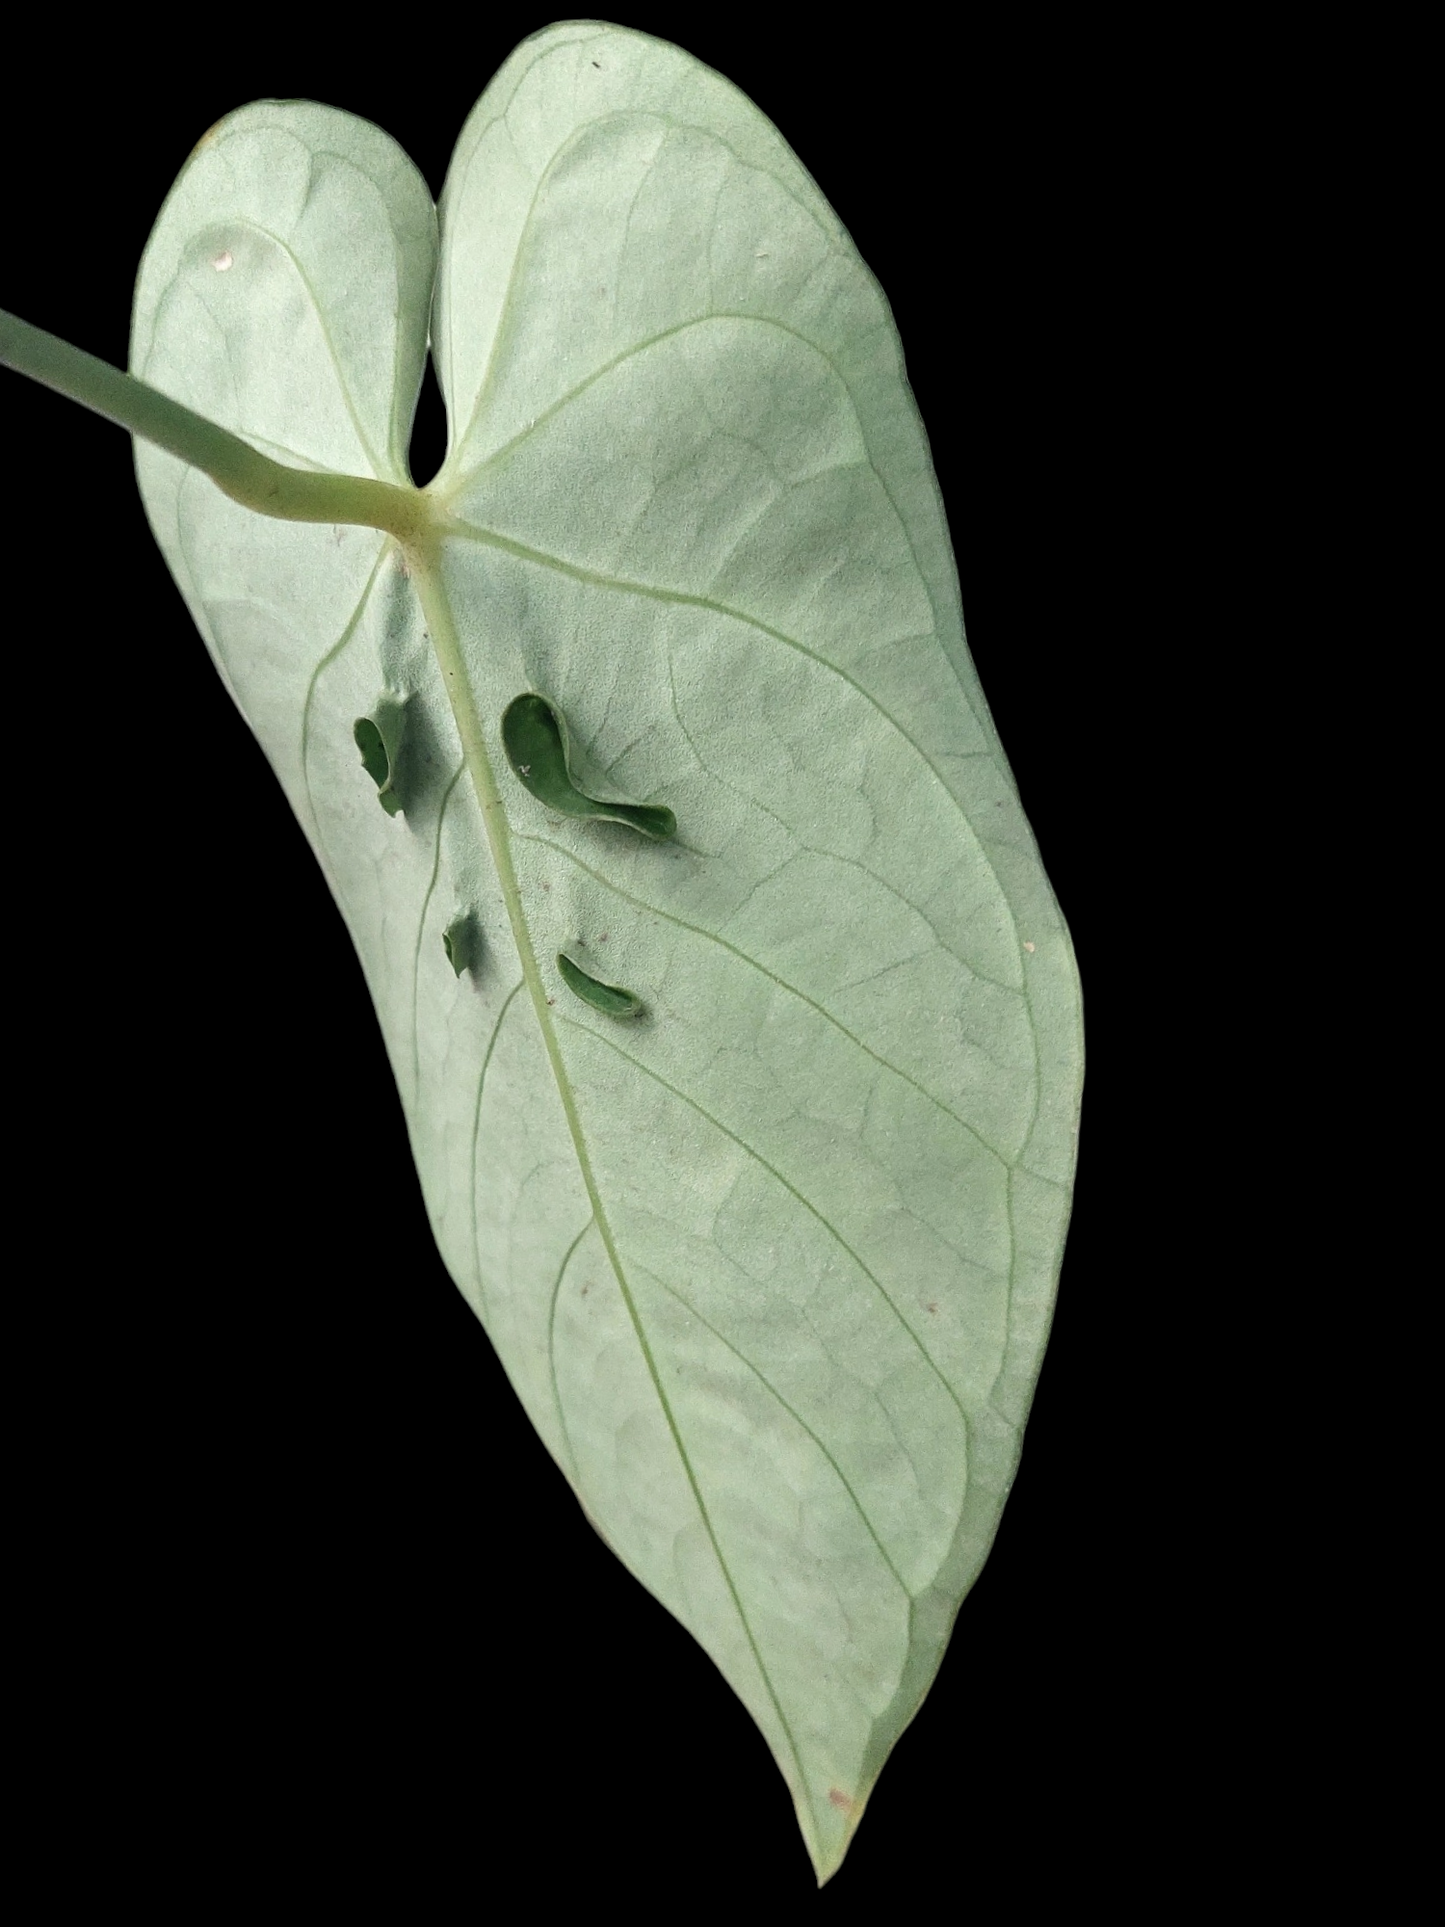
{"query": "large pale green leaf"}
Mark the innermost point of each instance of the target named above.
(769, 1250)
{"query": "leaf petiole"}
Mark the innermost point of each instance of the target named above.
(237, 469)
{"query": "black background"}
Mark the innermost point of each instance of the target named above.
(306, 1592)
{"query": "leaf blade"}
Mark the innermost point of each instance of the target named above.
(771, 1271)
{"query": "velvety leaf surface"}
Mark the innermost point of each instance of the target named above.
(770, 1259)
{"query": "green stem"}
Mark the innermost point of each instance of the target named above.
(237, 469)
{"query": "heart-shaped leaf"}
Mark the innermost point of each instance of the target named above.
(770, 1264)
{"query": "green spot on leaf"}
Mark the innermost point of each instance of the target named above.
(374, 759)
(610, 999)
(379, 738)
(462, 942)
(534, 735)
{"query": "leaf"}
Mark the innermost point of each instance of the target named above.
(771, 1270)
(534, 736)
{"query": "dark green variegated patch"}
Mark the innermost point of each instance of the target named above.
(610, 999)
(462, 942)
(380, 737)
(534, 735)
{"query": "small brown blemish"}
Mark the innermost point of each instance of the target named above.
(840, 1799)
(206, 139)
(932, 1308)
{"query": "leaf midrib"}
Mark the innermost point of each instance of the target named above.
(426, 573)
